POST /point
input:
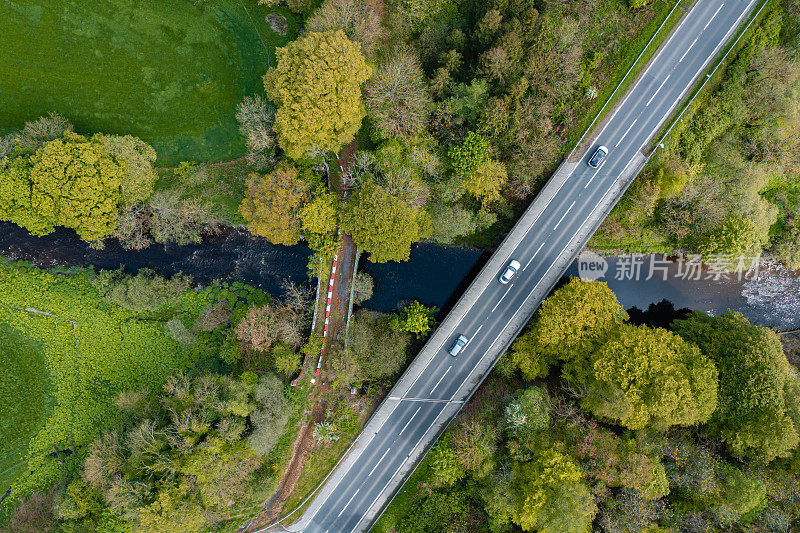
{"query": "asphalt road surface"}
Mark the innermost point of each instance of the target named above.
(670, 75)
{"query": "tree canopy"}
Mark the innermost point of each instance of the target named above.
(317, 87)
(650, 376)
(272, 204)
(571, 323)
(71, 181)
(753, 416)
(382, 225)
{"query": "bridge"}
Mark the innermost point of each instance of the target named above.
(545, 240)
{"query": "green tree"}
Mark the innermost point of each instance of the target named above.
(317, 86)
(450, 222)
(550, 496)
(383, 225)
(470, 154)
(753, 417)
(415, 318)
(445, 464)
(321, 214)
(72, 182)
(570, 325)
(529, 413)
(272, 204)
(140, 176)
(645, 376)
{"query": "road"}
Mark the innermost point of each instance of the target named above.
(412, 415)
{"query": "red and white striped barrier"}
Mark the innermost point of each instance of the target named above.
(327, 311)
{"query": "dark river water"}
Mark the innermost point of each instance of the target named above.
(435, 275)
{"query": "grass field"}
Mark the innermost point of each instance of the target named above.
(59, 326)
(168, 72)
(27, 399)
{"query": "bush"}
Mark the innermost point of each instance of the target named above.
(145, 292)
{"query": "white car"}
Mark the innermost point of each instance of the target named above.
(598, 157)
(509, 272)
(457, 346)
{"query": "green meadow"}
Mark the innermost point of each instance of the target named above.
(25, 388)
(168, 72)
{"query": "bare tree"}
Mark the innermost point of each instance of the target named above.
(397, 99)
(255, 116)
(42, 130)
(356, 18)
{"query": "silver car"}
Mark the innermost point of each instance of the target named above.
(598, 157)
(509, 272)
(461, 341)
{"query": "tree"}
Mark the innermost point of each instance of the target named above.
(256, 116)
(42, 130)
(451, 221)
(650, 376)
(397, 98)
(316, 84)
(382, 225)
(470, 154)
(485, 181)
(363, 286)
(374, 350)
(415, 318)
(286, 359)
(272, 203)
(356, 18)
(571, 323)
(321, 214)
(140, 176)
(753, 417)
(529, 413)
(445, 464)
(550, 496)
(71, 181)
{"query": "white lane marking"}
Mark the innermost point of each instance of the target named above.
(564, 215)
(379, 462)
(626, 132)
(410, 419)
(657, 90)
(713, 16)
(532, 257)
(348, 503)
(687, 50)
(437, 383)
(429, 400)
(592, 178)
(387, 417)
(500, 300)
(477, 331)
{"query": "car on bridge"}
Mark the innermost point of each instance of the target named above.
(598, 157)
(510, 271)
(459, 345)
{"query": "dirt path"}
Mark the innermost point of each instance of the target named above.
(300, 451)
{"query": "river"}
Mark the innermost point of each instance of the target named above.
(434, 275)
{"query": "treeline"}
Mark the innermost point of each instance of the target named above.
(593, 423)
(726, 184)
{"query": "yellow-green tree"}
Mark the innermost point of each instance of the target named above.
(650, 376)
(383, 225)
(72, 182)
(317, 86)
(272, 204)
(485, 181)
(571, 324)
